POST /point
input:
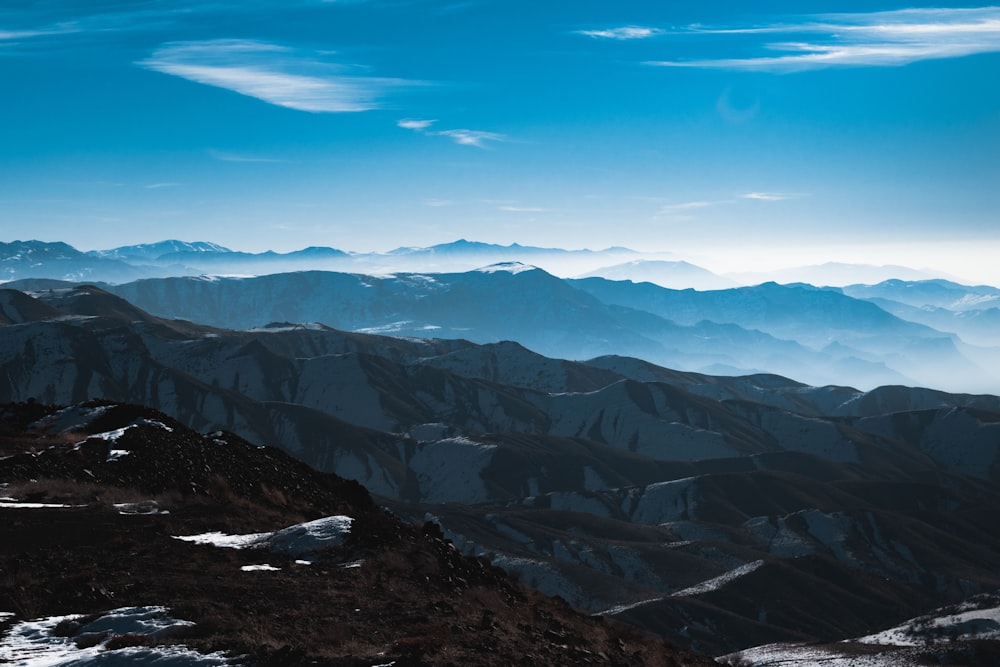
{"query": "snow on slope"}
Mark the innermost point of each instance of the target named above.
(946, 636)
(978, 618)
(295, 540)
(36, 644)
(715, 583)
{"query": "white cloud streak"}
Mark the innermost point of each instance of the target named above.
(772, 196)
(274, 74)
(622, 34)
(475, 138)
(415, 124)
(226, 156)
(521, 209)
(877, 39)
(690, 206)
(462, 137)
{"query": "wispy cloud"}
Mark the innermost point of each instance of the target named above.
(226, 156)
(476, 138)
(772, 196)
(623, 33)
(415, 124)
(437, 203)
(157, 186)
(14, 35)
(273, 73)
(876, 39)
(690, 206)
(686, 211)
(521, 209)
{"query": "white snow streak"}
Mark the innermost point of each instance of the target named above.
(716, 583)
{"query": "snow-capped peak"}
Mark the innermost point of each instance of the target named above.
(507, 267)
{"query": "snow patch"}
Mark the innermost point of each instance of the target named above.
(311, 536)
(263, 567)
(296, 540)
(716, 583)
(34, 644)
(73, 418)
(224, 541)
(507, 267)
(12, 503)
(983, 624)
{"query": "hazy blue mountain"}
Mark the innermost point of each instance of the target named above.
(820, 336)
(672, 274)
(183, 258)
(39, 259)
(151, 252)
(821, 319)
(503, 302)
(836, 274)
(463, 255)
(512, 252)
(978, 326)
(935, 293)
(971, 312)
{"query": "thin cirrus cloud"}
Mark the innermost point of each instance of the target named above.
(415, 124)
(624, 33)
(462, 137)
(275, 74)
(690, 206)
(772, 196)
(521, 209)
(226, 156)
(876, 39)
(476, 138)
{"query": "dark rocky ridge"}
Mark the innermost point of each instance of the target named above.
(409, 599)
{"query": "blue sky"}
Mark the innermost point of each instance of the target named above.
(772, 131)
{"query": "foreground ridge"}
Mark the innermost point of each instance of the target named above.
(95, 495)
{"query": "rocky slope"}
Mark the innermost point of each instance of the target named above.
(96, 497)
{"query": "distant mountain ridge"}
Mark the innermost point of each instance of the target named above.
(854, 335)
(182, 258)
(819, 336)
(151, 252)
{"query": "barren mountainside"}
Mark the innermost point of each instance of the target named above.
(698, 507)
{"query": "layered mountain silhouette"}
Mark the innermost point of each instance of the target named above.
(722, 512)
(930, 333)
(818, 336)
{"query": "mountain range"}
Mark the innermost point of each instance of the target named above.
(38, 259)
(720, 512)
(933, 333)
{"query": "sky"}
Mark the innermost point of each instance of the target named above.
(760, 133)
